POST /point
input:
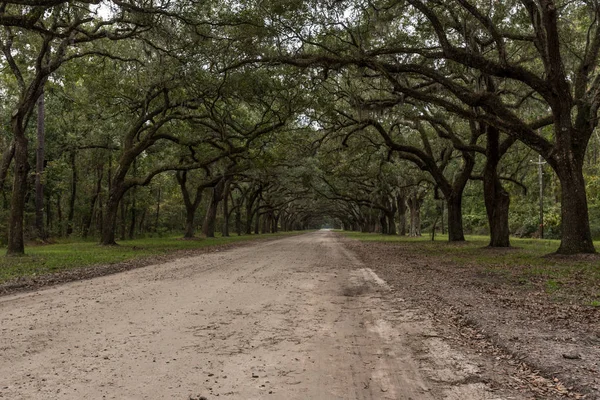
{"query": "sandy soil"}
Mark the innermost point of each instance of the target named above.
(297, 318)
(547, 346)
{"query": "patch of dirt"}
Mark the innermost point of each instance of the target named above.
(554, 348)
(267, 321)
(36, 282)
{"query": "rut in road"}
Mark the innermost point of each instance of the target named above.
(297, 318)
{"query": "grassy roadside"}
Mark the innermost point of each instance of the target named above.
(527, 265)
(72, 254)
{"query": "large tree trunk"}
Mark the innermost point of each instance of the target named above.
(39, 170)
(364, 227)
(123, 207)
(442, 218)
(250, 210)
(576, 235)
(497, 200)
(110, 218)
(208, 228)
(191, 205)
(16, 243)
(390, 214)
(497, 204)
(383, 223)
(7, 157)
(284, 222)
(455, 225)
(117, 190)
(391, 222)
(249, 216)
(414, 205)
(238, 220)
(265, 222)
(190, 214)
(225, 231)
(257, 224)
(274, 228)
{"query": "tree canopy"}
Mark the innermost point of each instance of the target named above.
(391, 116)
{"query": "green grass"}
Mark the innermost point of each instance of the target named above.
(69, 254)
(529, 264)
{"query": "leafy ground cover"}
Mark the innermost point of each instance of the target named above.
(538, 310)
(529, 264)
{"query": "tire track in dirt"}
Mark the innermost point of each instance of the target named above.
(296, 318)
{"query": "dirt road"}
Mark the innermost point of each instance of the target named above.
(297, 318)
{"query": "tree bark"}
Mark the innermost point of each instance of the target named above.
(7, 157)
(257, 223)
(414, 205)
(110, 218)
(401, 201)
(208, 228)
(453, 194)
(391, 222)
(16, 243)
(191, 205)
(265, 222)
(190, 229)
(123, 206)
(442, 219)
(250, 210)
(497, 200)
(225, 196)
(497, 204)
(249, 217)
(238, 220)
(275, 228)
(576, 235)
(455, 225)
(383, 223)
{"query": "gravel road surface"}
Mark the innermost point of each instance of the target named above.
(296, 318)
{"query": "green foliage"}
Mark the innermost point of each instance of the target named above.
(333, 135)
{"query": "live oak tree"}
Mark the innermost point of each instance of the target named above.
(36, 40)
(421, 39)
(418, 100)
(562, 75)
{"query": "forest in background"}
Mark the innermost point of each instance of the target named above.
(126, 119)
